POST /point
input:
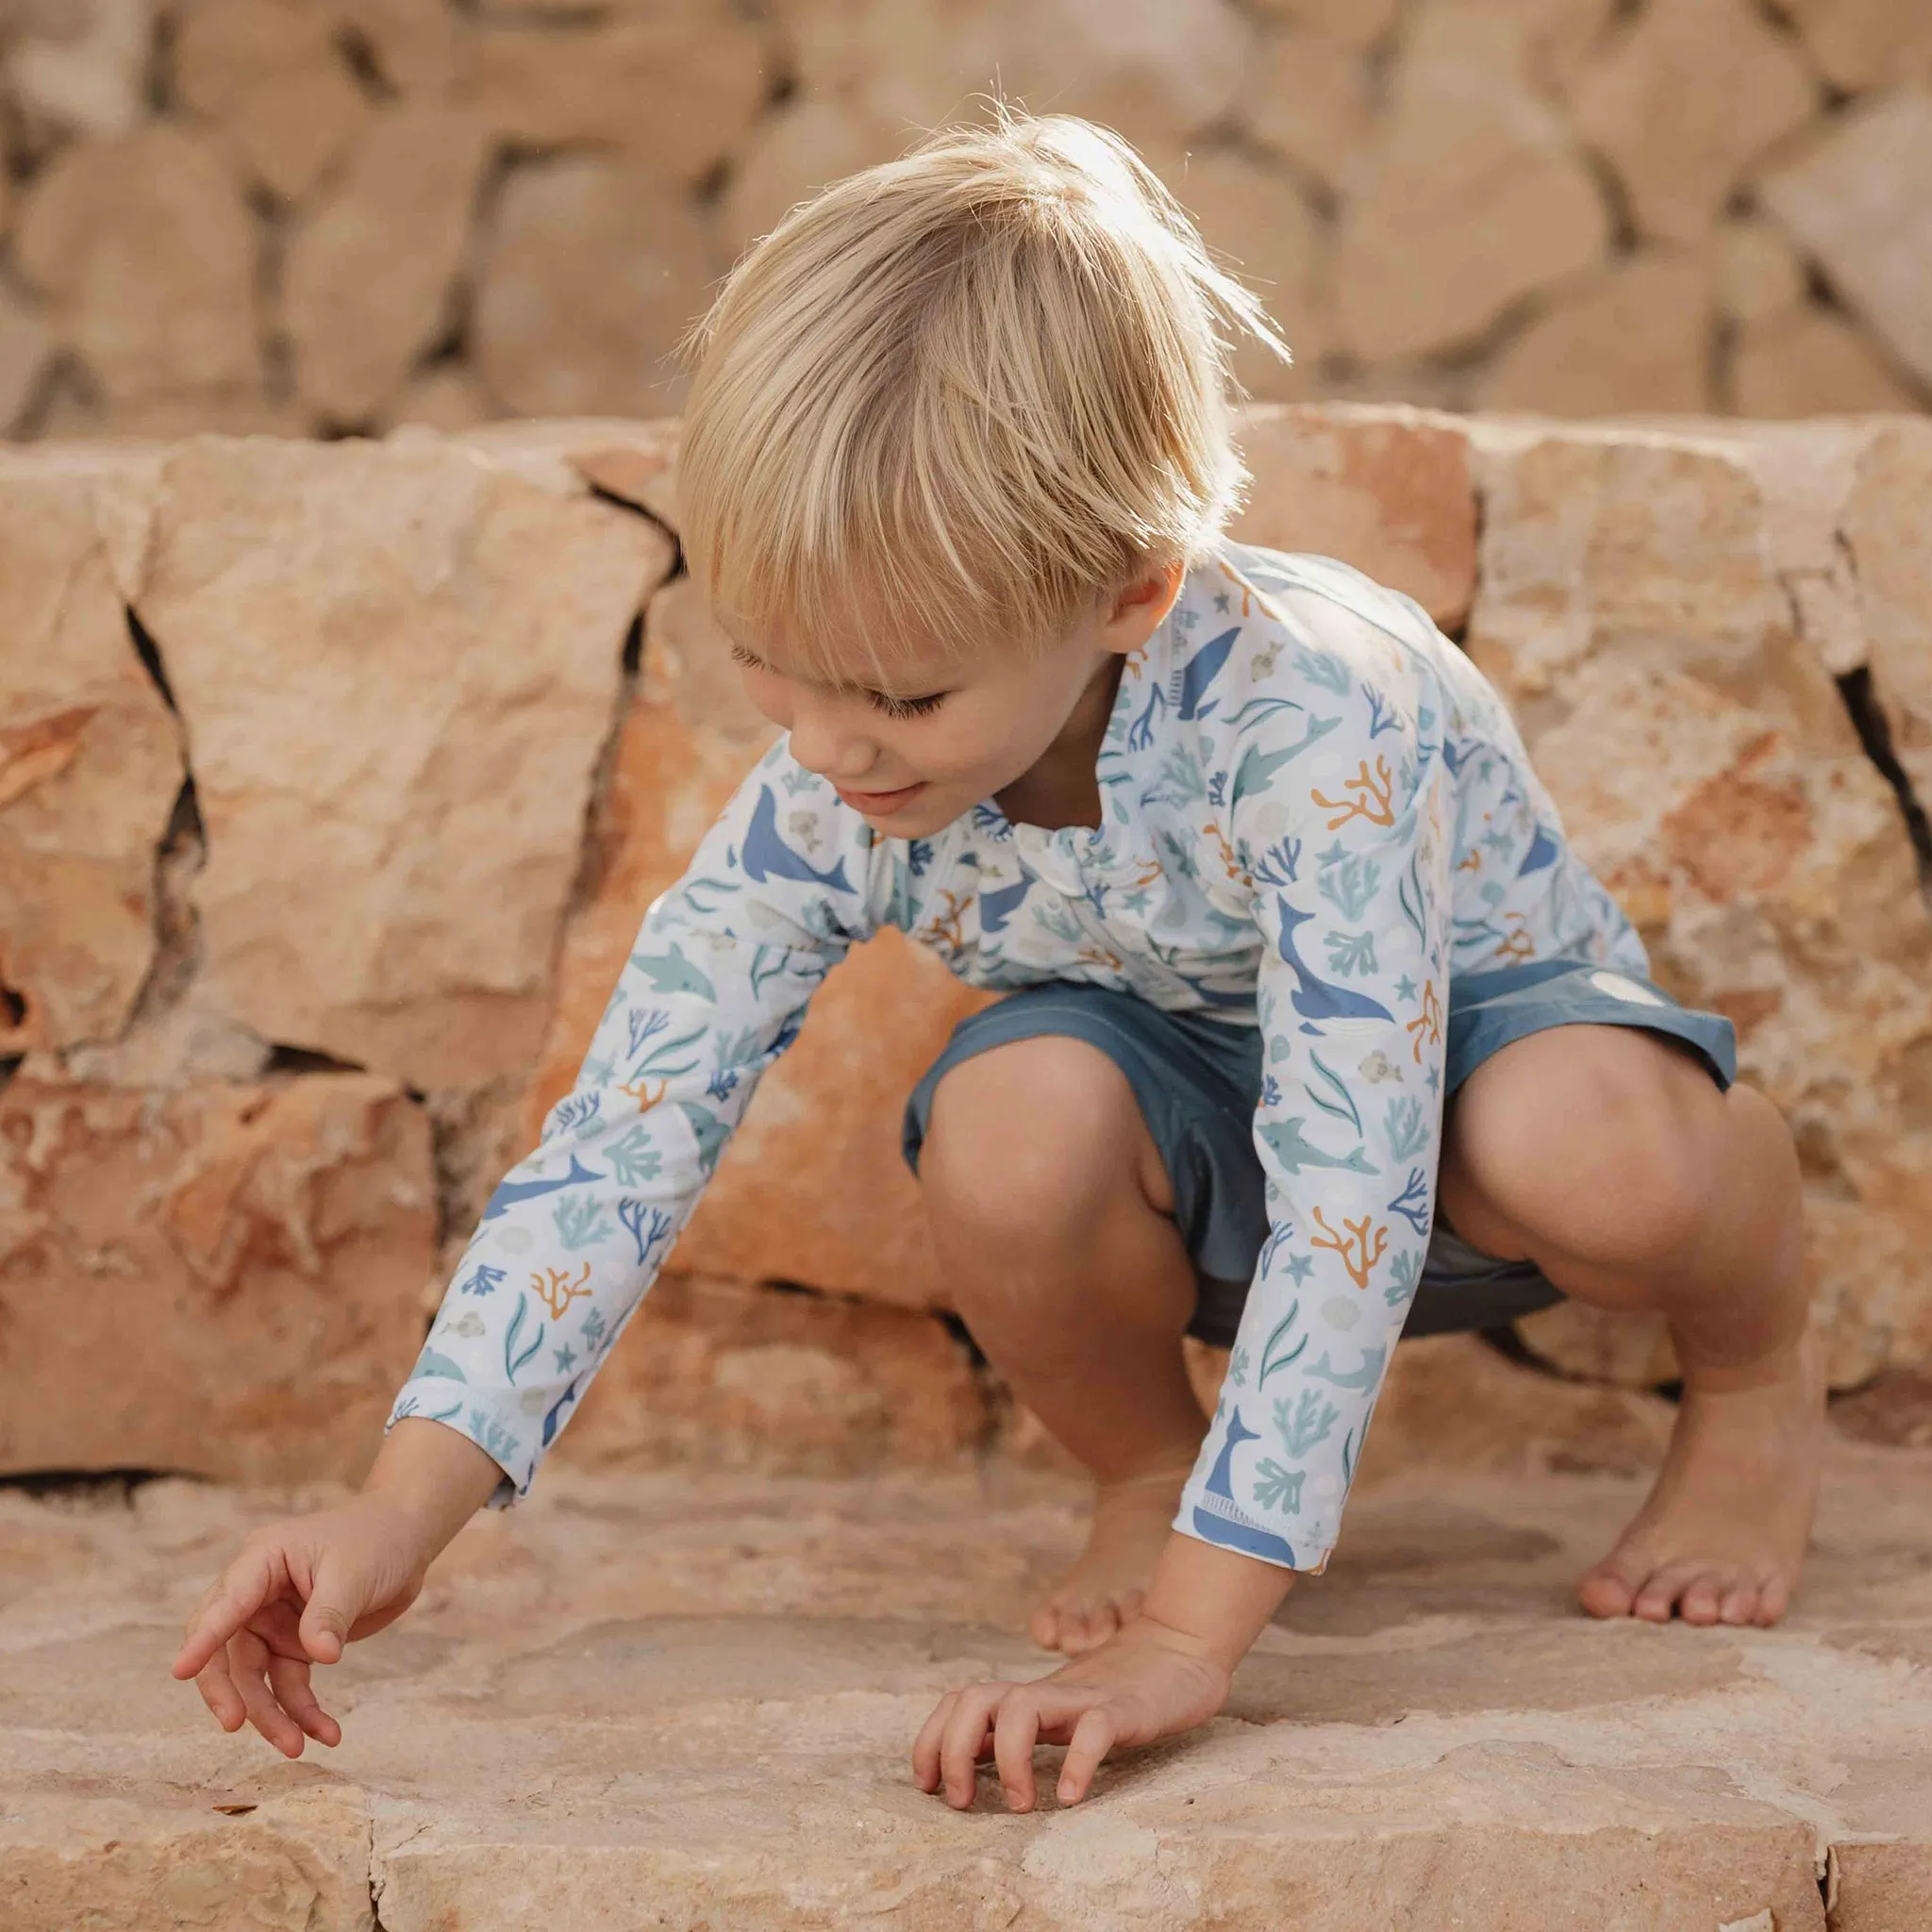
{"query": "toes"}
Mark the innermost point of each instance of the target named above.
(1701, 1599)
(1773, 1595)
(1740, 1604)
(1657, 1600)
(1610, 1590)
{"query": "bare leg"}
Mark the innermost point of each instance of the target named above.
(1050, 1212)
(1610, 1159)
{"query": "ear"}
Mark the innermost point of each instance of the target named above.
(1142, 606)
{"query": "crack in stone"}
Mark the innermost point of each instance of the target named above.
(1873, 726)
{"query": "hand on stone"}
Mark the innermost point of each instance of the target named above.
(1146, 1681)
(295, 1595)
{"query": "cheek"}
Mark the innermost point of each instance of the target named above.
(768, 695)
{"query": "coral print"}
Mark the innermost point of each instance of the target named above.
(1314, 813)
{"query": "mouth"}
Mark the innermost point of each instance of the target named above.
(880, 804)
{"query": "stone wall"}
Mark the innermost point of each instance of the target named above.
(334, 778)
(316, 215)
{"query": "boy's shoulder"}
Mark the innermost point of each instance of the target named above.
(1312, 593)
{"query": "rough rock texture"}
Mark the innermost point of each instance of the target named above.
(219, 1279)
(701, 1690)
(397, 667)
(1689, 98)
(1387, 490)
(1861, 202)
(596, 269)
(720, 1375)
(792, 155)
(368, 277)
(89, 763)
(1686, 721)
(1473, 198)
(144, 248)
(1810, 362)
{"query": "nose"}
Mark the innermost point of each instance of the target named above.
(825, 741)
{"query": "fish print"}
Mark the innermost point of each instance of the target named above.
(1223, 882)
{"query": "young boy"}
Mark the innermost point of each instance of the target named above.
(1318, 1032)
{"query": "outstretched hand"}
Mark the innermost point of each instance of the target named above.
(1146, 1681)
(295, 1595)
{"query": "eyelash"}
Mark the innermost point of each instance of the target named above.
(880, 701)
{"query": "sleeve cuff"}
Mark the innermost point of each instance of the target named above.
(1213, 1518)
(492, 1425)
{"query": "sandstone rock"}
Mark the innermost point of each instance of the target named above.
(1631, 611)
(1159, 70)
(679, 86)
(165, 418)
(641, 469)
(1810, 362)
(249, 1259)
(269, 75)
(813, 1188)
(1757, 271)
(1683, 106)
(447, 397)
(86, 73)
(1473, 199)
(297, 1862)
(1255, 222)
(369, 273)
(1352, 22)
(414, 43)
(1309, 97)
(737, 1376)
(1633, 338)
(1881, 1887)
(27, 346)
(148, 253)
(1861, 43)
(1885, 531)
(1387, 490)
(397, 665)
(1860, 202)
(89, 767)
(596, 269)
(791, 153)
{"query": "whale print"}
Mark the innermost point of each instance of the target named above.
(1219, 1519)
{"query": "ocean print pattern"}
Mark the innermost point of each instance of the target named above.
(1315, 811)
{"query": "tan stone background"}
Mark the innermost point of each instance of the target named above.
(319, 215)
(335, 776)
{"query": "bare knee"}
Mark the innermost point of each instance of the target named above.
(1596, 1145)
(1028, 1145)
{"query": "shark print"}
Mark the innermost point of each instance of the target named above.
(1316, 813)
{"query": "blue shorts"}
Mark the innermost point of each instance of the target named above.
(1198, 1082)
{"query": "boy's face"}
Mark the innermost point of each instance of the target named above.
(946, 731)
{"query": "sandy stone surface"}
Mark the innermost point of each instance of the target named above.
(1691, 734)
(222, 1279)
(693, 1695)
(397, 667)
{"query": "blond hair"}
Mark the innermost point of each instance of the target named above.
(962, 395)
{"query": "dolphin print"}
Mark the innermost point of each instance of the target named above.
(1256, 766)
(1295, 1151)
(670, 972)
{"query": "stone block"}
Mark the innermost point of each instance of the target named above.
(1632, 613)
(27, 347)
(1811, 363)
(91, 762)
(269, 75)
(1759, 273)
(1633, 338)
(677, 85)
(222, 1279)
(594, 268)
(791, 153)
(81, 67)
(728, 1375)
(1357, 23)
(369, 272)
(1859, 202)
(397, 667)
(148, 254)
(1309, 97)
(1387, 489)
(1685, 101)
(1863, 44)
(1473, 198)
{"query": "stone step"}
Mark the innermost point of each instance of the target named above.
(688, 1701)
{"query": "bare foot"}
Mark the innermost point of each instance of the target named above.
(1105, 1587)
(1723, 1534)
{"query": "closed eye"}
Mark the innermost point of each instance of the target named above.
(905, 708)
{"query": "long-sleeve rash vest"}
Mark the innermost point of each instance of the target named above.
(1314, 810)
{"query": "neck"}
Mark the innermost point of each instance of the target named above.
(1061, 787)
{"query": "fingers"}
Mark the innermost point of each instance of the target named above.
(1016, 1729)
(962, 1744)
(334, 1600)
(255, 1575)
(1092, 1738)
(219, 1693)
(248, 1660)
(287, 1678)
